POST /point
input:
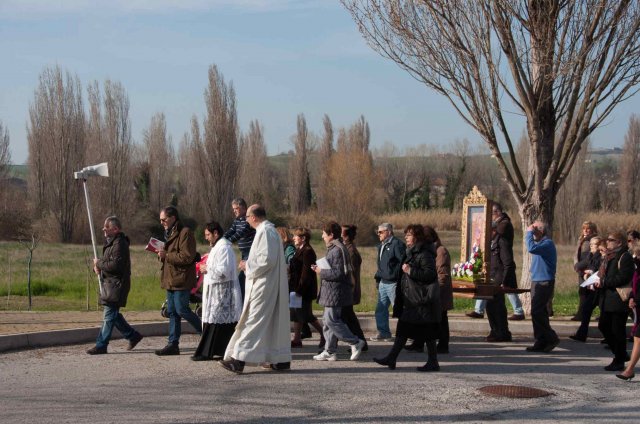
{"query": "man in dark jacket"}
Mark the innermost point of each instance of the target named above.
(114, 269)
(390, 253)
(178, 277)
(242, 233)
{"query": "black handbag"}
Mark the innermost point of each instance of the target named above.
(111, 290)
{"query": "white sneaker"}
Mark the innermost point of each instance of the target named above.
(356, 349)
(326, 356)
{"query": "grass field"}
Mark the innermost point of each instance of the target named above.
(61, 278)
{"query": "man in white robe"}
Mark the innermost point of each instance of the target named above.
(263, 333)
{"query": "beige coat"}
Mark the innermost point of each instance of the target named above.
(262, 334)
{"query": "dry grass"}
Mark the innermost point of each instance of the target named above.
(60, 274)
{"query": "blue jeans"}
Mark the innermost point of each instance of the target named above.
(177, 308)
(481, 304)
(386, 298)
(113, 317)
(514, 299)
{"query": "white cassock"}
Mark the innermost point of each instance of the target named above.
(263, 332)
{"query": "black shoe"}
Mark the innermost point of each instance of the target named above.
(615, 366)
(233, 365)
(168, 350)
(429, 367)
(535, 348)
(578, 338)
(442, 349)
(281, 366)
(516, 317)
(135, 340)
(576, 318)
(386, 362)
(97, 350)
(474, 314)
(198, 358)
(494, 339)
(603, 341)
(414, 347)
(624, 377)
(549, 347)
(365, 347)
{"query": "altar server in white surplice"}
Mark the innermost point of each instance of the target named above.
(262, 334)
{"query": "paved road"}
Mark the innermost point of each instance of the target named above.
(62, 384)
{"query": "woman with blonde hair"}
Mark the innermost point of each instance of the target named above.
(588, 301)
(580, 262)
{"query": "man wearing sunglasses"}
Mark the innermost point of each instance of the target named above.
(390, 253)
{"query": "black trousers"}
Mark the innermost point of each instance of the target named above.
(350, 318)
(587, 305)
(497, 314)
(613, 327)
(541, 293)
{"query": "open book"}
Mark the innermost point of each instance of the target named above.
(154, 245)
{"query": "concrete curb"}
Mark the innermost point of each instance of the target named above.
(457, 325)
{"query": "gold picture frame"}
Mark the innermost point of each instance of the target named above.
(476, 228)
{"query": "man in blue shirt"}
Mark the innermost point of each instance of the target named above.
(543, 274)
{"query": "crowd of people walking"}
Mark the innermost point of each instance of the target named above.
(249, 307)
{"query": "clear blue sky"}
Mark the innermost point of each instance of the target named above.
(284, 57)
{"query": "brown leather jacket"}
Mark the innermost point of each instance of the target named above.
(178, 269)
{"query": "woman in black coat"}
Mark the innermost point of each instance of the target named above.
(303, 281)
(616, 271)
(417, 304)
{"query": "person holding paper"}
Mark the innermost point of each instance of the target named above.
(303, 284)
(589, 266)
(335, 292)
(177, 277)
(221, 297)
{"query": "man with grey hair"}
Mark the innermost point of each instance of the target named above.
(114, 269)
(543, 276)
(390, 253)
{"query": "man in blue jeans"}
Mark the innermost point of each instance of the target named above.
(390, 253)
(543, 276)
(178, 277)
(114, 269)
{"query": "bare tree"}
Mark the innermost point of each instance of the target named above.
(217, 158)
(561, 65)
(255, 180)
(5, 153)
(324, 156)
(56, 137)
(299, 180)
(630, 168)
(354, 182)
(160, 160)
(109, 140)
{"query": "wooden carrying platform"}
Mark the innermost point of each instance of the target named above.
(473, 290)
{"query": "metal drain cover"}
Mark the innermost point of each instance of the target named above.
(514, 391)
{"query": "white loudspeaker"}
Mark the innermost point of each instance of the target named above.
(99, 170)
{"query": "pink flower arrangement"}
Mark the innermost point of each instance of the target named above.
(473, 267)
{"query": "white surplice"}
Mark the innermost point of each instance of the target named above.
(221, 296)
(263, 332)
